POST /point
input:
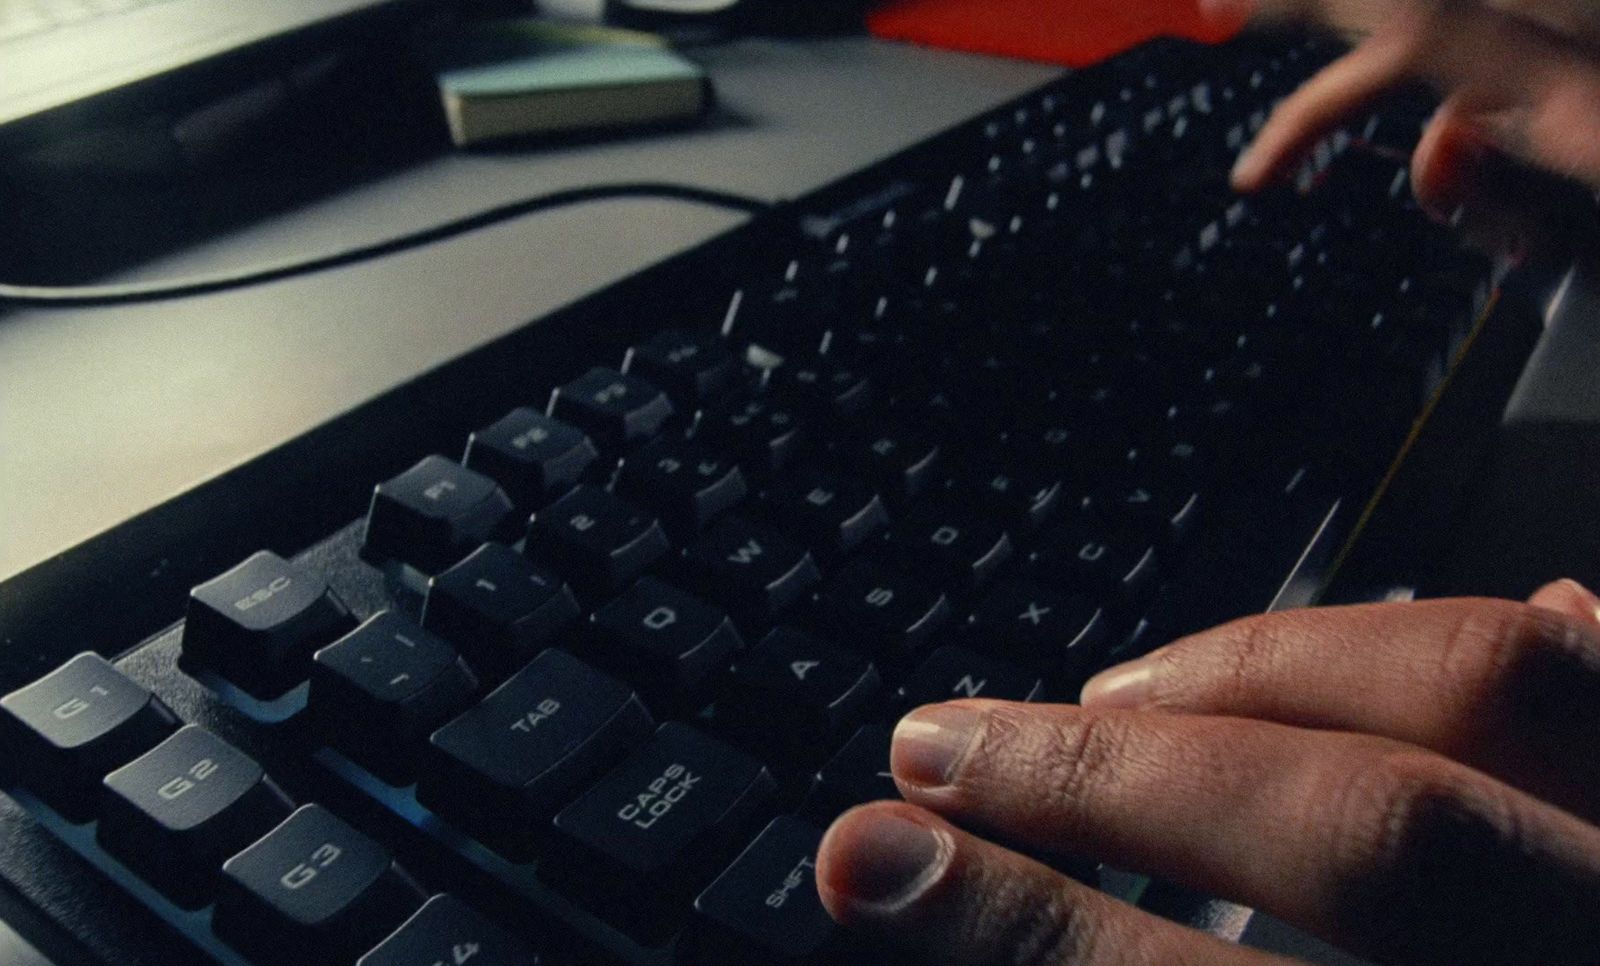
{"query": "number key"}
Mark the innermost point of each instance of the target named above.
(448, 932)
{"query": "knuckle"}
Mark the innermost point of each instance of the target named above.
(1059, 760)
(1526, 667)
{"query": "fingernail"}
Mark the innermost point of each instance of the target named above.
(1245, 174)
(1124, 687)
(930, 742)
(888, 861)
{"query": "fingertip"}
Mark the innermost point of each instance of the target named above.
(1124, 687)
(877, 859)
(1567, 596)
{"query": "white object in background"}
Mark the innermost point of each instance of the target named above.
(680, 6)
(589, 11)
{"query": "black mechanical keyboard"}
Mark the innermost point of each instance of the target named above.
(569, 650)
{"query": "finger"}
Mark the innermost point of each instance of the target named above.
(907, 877)
(1387, 849)
(1508, 688)
(1570, 598)
(1534, 92)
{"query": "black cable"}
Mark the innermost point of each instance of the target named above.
(78, 296)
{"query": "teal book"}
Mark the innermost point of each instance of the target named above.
(520, 78)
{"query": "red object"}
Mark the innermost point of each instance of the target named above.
(1072, 32)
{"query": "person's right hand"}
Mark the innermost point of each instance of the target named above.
(1520, 79)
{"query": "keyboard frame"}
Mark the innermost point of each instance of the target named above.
(122, 592)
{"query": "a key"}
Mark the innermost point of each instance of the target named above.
(899, 462)
(448, 932)
(832, 514)
(750, 569)
(617, 411)
(858, 773)
(500, 608)
(1039, 627)
(380, 690)
(693, 368)
(686, 484)
(434, 514)
(668, 642)
(825, 389)
(312, 889)
(258, 624)
(501, 768)
(953, 548)
(534, 458)
(882, 607)
(954, 672)
(1095, 561)
(1020, 500)
(763, 433)
(175, 813)
(799, 692)
(1162, 515)
(64, 732)
(656, 826)
(764, 907)
(598, 541)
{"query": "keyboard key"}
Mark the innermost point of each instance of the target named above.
(902, 464)
(857, 774)
(504, 766)
(311, 889)
(380, 690)
(693, 368)
(824, 389)
(500, 608)
(534, 458)
(1039, 628)
(668, 642)
(434, 514)
(955, 672)
(64, 732)
(258, 624)
(832, 514)
(656, 827)
(1094, 561)
(686, 484)
(599, 542)
(1020, 500)
(952, 548)
(764, 907)
(448, 932)
(617, 411)
(751, 570)
(762, 433)
(798, 692)
(175, 813)
(880, 608)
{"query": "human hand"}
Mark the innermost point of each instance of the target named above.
(1416, 782)
(1520, 81)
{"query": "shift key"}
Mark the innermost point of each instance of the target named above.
(658, 826)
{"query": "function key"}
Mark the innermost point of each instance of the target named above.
(499, 607)
(685, 483)
(750, 569)
(600, 542)
(501, 768)
(312, 888)
(618, 411)
(831, 514)
(175, 813)
(878, 605)
(433, 514)
(764, 907)
(1039, 627)
(799, 692)
(65, 731)
(258, 624)
(534, 458)
(448, 932)
(694, 368)
(955, 672)
(858, 774)
(378, 691)
(656, 826)
(669, 642)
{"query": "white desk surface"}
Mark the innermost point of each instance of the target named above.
(106, 412)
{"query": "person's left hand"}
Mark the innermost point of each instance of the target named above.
(1415, 782)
